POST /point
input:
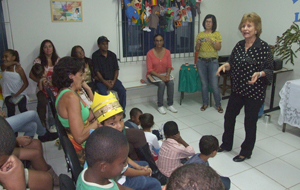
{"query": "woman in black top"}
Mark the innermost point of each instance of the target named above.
(251, 70)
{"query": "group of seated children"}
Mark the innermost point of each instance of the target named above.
(105, 167)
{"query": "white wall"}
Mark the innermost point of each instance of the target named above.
(31, 24)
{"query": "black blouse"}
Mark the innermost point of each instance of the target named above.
(244, 63)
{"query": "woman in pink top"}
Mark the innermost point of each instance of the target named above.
(159, 67)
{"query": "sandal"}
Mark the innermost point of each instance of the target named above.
(220, 109)
(203, 108)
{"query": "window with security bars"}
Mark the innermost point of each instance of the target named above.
(3, 41)
(137, 42)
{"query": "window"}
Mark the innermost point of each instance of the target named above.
(136, 42)
(3, 41)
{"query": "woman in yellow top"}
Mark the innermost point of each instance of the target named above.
(208, 43)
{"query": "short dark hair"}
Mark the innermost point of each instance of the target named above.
(7, 138)
(14, 53)
(43, 57)
(65, 67)
(208, 144)
(134, 112)
(214, 22)
(146, 120)
(104, 144)
(37, 70)
(195, 176)
(170, 128)
(158, 35)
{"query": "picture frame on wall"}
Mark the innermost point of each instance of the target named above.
(66, 11)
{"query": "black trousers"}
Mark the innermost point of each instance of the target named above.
(42, 106)
(11, 108)
(252, 107)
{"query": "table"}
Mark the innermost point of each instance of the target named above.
(290, 104)
(189, 81)
(283, 70)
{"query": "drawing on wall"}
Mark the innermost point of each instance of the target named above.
(66, 11)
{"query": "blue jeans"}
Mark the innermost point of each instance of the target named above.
(28, 122)
(207, 72)
(118, 87)
(142, 182)
(161, 90)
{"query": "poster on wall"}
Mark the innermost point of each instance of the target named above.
(66, 11)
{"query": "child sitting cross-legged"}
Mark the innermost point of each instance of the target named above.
(208, 146)
(106, 155)
(147, 123)
(134, 121)
(173, 149)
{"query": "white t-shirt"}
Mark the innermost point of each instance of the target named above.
(152, 141)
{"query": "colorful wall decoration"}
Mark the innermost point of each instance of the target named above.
(66, 11)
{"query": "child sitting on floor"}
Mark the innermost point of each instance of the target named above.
(172, 150)
(134, 121)
(194, 177)
(104, 165)
(147, 123)
(208, 146)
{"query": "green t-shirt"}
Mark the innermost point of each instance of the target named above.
(84, 185)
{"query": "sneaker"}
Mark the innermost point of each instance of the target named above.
(48, 137)
(161, 110)
(52, 129)
(172, 109)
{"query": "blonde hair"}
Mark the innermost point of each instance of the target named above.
(252, 17)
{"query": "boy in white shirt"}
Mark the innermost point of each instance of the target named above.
(147, 122)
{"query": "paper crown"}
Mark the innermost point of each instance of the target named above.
(105, 106)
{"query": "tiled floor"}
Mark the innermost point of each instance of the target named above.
(274, 163)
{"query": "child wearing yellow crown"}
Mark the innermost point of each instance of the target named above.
(109, 112)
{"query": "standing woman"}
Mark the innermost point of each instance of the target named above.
(47, 58)
(159, 65)
(208, 43)
(251, 70)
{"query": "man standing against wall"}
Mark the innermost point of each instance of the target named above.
(106, 68)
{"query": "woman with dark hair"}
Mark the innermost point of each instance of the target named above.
(78, 51)
(251, 70)
(47, 58)
(208, 43)
(72, 112)
(159, 66)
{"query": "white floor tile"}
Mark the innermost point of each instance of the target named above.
(209, 129)
(281, 172)
(193, 120)
(292, 158)
(259, 157)
(274, 146)
(254, 179)
(225, 166)
(289, 138)
(296, 187)
(189, 135)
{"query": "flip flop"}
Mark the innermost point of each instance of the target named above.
(203, 108)
(220, 109)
